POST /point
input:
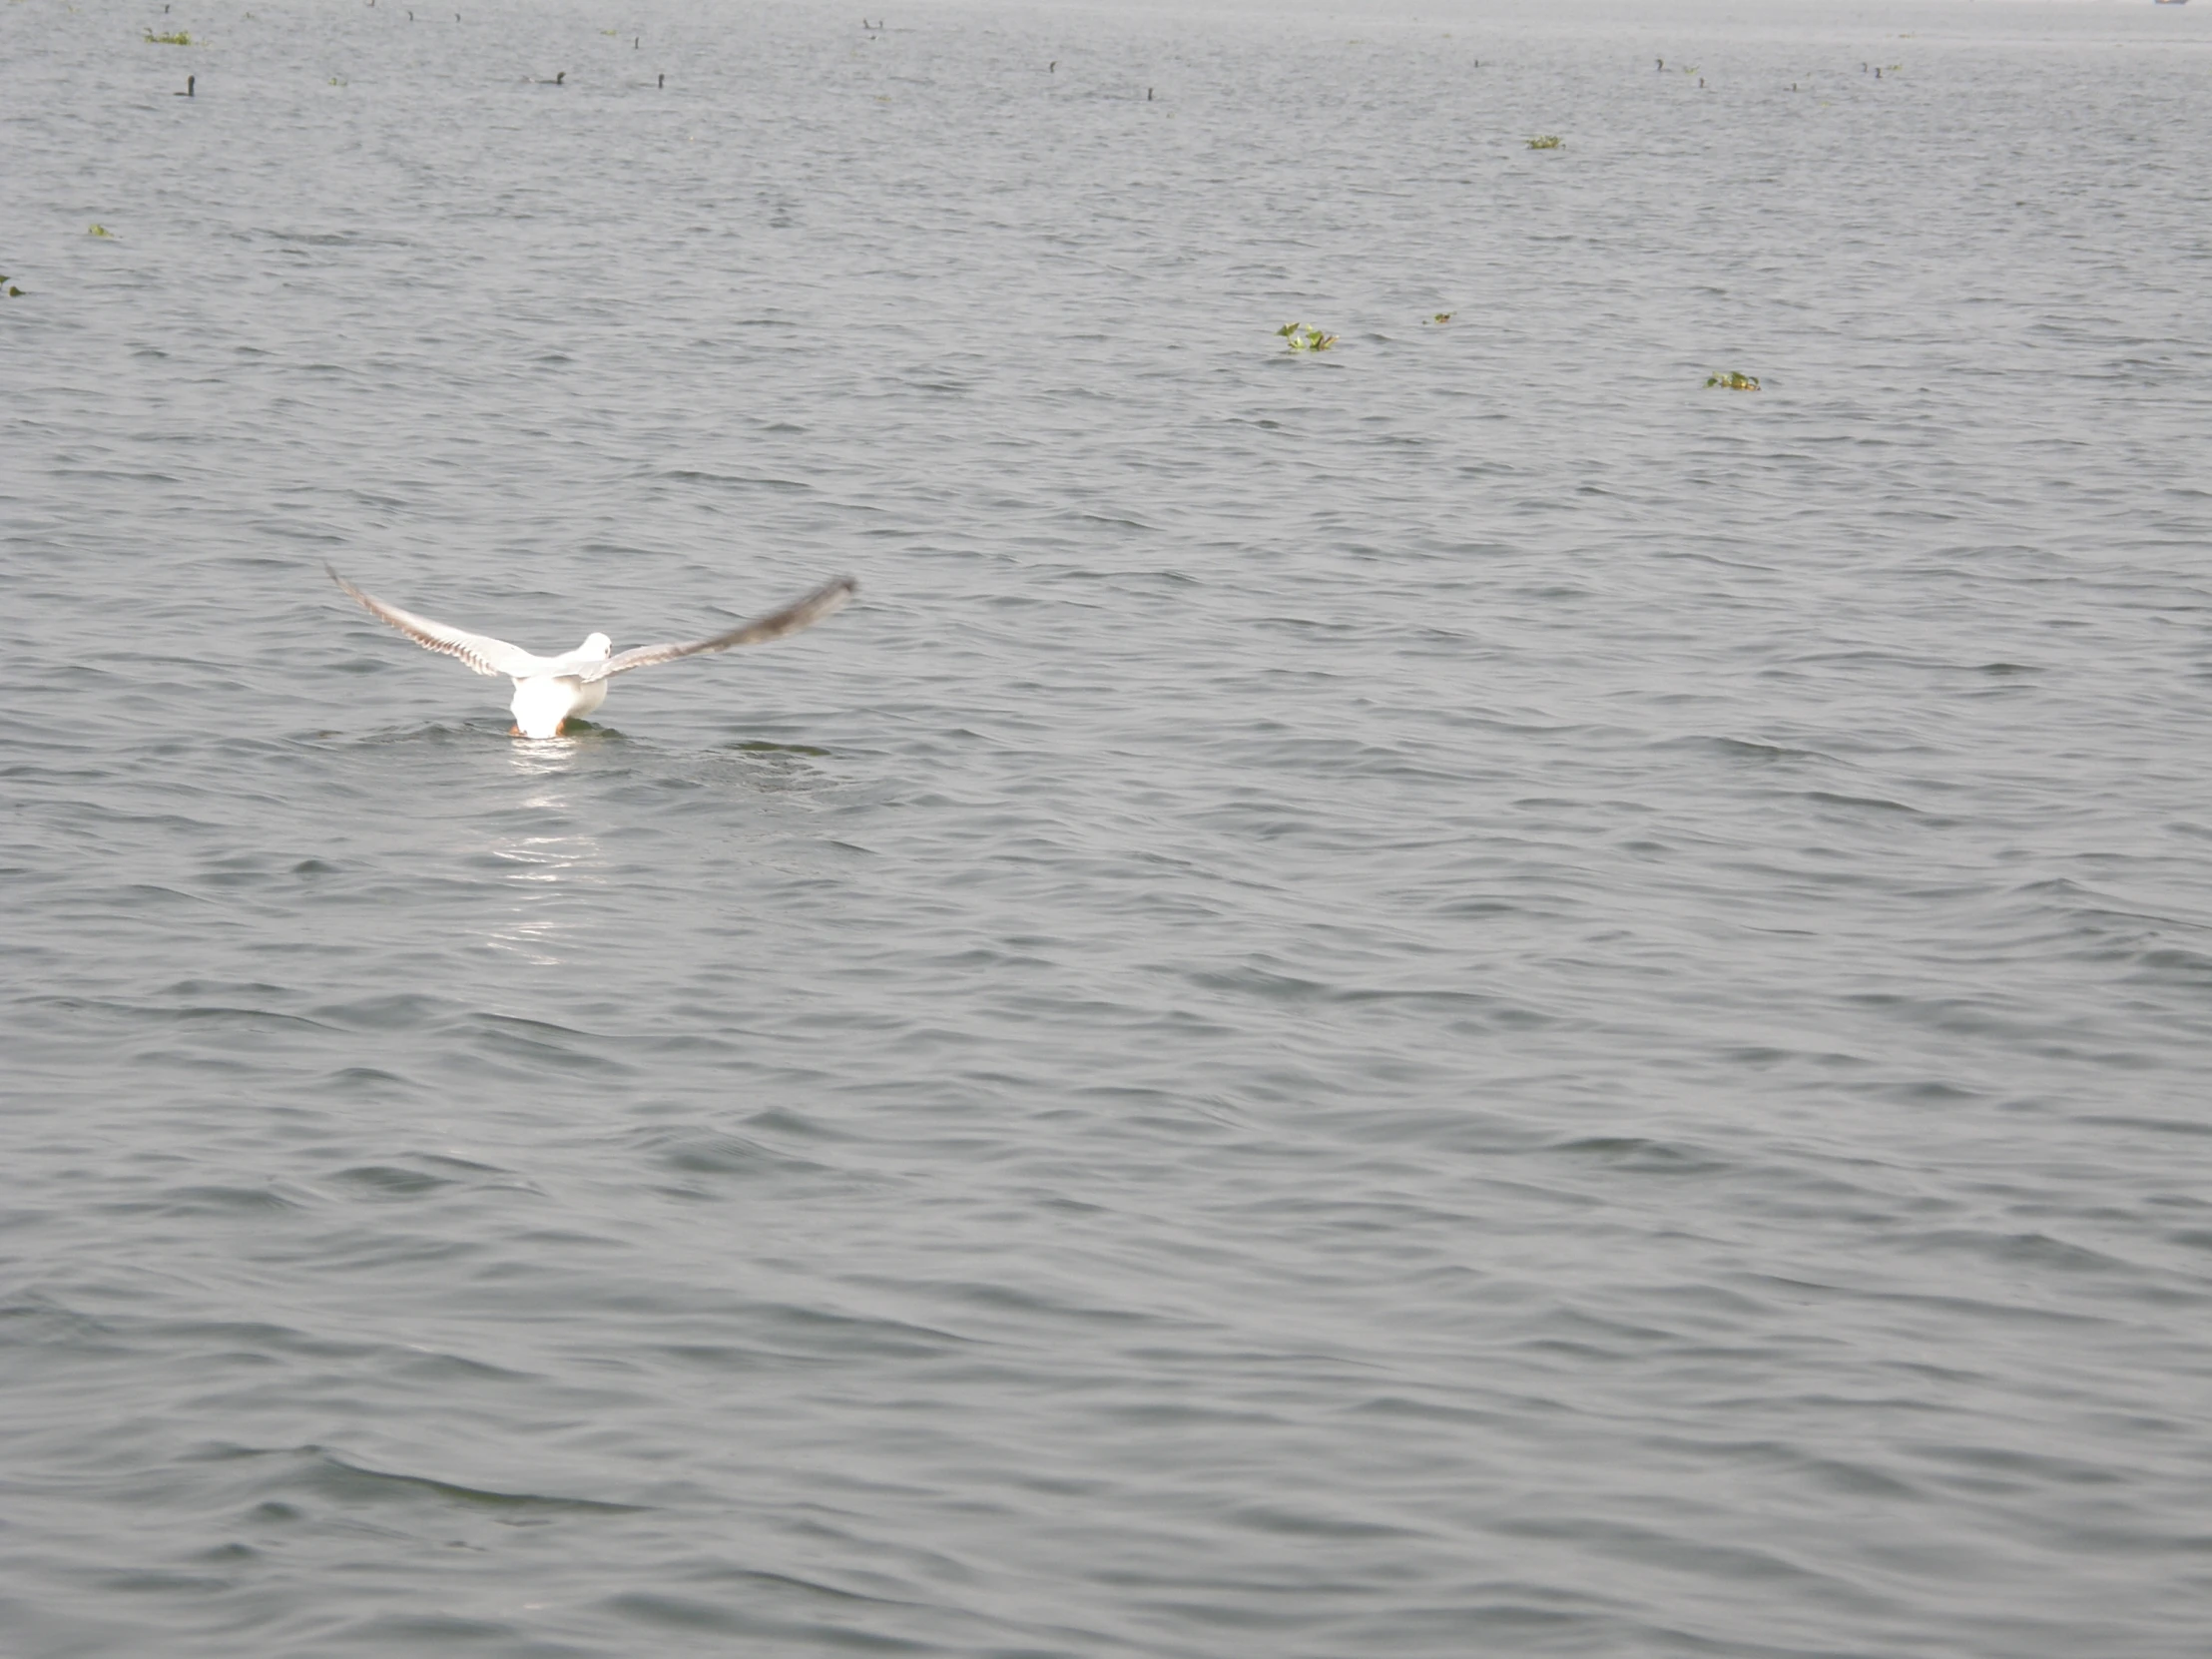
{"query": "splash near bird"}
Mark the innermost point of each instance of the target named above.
(551, 690)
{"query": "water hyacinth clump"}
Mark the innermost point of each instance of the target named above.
(99, 230)
(10, 289)
(1301, 339)
(180, 37)
(1547, 140)
(1734, 381)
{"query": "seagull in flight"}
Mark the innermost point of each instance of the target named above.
(550, 690)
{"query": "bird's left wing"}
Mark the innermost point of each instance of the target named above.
(800, 613)
(479, 651)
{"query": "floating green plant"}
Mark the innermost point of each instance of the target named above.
(1547, 140)
(1301, 339)
(9, 290)
(100, 231)
(180, 37)
(1442, 316)
(1734, 381)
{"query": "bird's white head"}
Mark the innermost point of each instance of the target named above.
(599, 644)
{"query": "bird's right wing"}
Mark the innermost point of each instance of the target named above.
(800, 613)
(479, 651)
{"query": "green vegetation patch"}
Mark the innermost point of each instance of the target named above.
(1547, 141)
(1301, 339)
(1733, 382)
(180, 37)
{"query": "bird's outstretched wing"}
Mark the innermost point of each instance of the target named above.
(479, 651)
(800, 613)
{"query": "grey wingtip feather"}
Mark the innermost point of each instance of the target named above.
(349, 590)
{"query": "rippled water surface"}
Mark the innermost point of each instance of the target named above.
(1452, 996)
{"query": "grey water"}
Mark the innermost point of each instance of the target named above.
(1449, 996)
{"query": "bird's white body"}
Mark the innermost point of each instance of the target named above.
(555, 694)
(552, 690)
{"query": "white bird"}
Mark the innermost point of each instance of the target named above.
(550, 690)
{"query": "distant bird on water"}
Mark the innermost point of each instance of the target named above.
(551, 690)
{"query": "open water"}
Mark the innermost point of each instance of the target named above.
(1451, 996)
